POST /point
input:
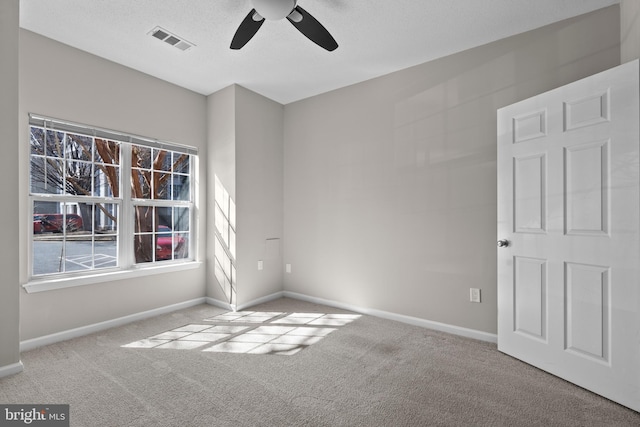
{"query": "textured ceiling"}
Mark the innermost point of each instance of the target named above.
(375, 37)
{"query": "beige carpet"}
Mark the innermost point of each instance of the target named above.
(362, 372)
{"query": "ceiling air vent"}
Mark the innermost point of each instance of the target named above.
(172, 39)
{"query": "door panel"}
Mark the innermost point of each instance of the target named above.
(587, 181)
(588, 310)
(586, 111)
(529, 193)
(569, 205)
(530, 289)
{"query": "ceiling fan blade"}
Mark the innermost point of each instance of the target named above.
(312, 29)
(247, 29)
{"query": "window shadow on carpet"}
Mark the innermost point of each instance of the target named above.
(250, 332)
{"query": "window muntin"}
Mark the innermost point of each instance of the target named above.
(76, 196)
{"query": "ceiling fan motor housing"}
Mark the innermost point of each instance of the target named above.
(278, 10)
(274, 10)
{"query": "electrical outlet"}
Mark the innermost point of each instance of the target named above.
(474, 295)
(287, 268)
(260, 265)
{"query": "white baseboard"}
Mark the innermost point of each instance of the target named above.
(230, 307)
(220, 304)
(443, 327)
(14, 368)
(261, 300)
(30, 344)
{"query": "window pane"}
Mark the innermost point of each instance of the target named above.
(164, 216)
(74, 223)
(166, 242)
(37, 140)
(40, 212)
(106, 253)
(54, 144)
(143, 239)
(141, 157)
(143, 219)
(46, 176)
(47, 256)
(105, 220)
(181, 163)
(143, 246)
(181, 219)
(78, 178)
(78, 255)
(79, 147)
(140, 184)
(107, 152)
(181, 187)
(106, 181)
(162, 186)
(181, 248)
(162, 160)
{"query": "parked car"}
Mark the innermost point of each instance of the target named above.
(54, 223)
(37, 225)
(168, 244)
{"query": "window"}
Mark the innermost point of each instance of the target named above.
(104, 200)
(161, 194)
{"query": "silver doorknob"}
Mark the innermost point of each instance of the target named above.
(503, 243)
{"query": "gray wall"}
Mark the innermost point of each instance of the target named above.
(259, 191)
(9, 164)
(221, 161)
(629, 30)
(66, 83)
(245, 136)
(390, 185)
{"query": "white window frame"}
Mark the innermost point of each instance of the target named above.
(127, 267)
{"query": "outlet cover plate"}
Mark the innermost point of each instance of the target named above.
(474, 295)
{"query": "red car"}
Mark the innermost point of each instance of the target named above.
(168, 244)
(55, 223)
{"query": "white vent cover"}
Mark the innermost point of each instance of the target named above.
(169, 38)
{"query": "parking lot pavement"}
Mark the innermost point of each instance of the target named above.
(54, 256)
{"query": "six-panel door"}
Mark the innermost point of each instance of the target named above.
(568, 203)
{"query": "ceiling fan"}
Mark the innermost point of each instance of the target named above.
(275, 10)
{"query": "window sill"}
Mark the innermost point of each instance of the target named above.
(110, 276)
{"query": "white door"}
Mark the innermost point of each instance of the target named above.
(568, 223)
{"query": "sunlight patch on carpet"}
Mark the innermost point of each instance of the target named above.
(249, 332)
